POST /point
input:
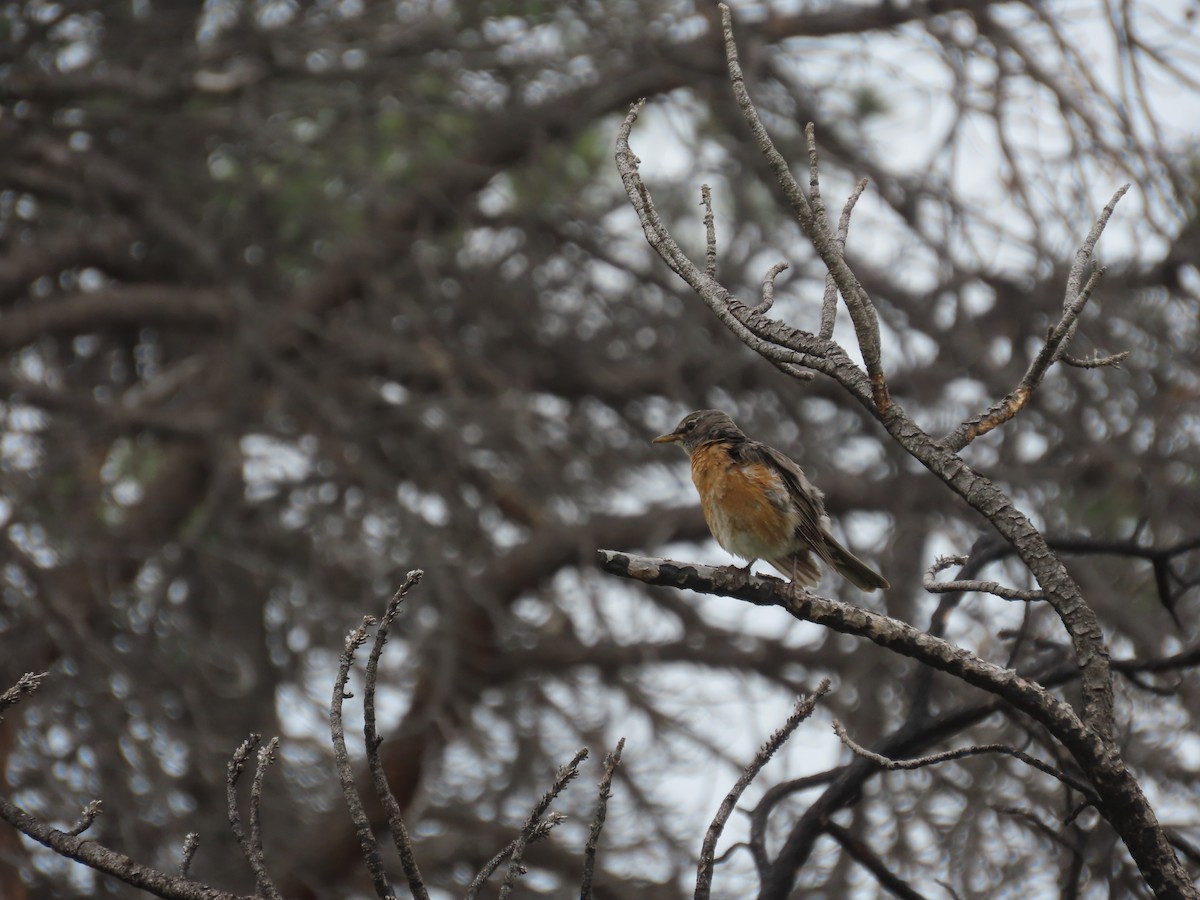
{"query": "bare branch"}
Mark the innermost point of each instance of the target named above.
(1161, 560)
(26, 685)
(710, 232)
(810, 214)
(110, 862)
(266, 756)
(565, 775)
(987, 587)
(1083, 255)
(962, 752)
(341, 757)
(719, 300)
(378, 776)
(86, 819)
(829, 302)
(891, 634)
(251, 846)
(803, 709)
(1095, 361)
(1058, 339)
(814, 180)
(611, 761)
(768, 287)
(1091, 747)
(779, 165)
(233, 774)
(191, 843)
(541, 830)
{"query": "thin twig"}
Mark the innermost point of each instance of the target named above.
(1084, 254)
(341, 758)
(962, 752)
(191, 843)
(1160, 559)
(775, 159)
(105, 860)
(250, 851)
(710, 232)
(86, 818)
(1095, 361)
(704, 870)
(234, 772)
(987, 587)
(540, 831)
(374, 762)
(1058, 339)
(768, 287)
(611, 761)
(829, 301)
(561, 780)
(1064, 332)
(718, 299)
(810, 215)
(814, 179)
(489, 867)
(26, 685)
(266, 756)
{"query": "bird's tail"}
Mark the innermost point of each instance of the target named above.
(857, 572)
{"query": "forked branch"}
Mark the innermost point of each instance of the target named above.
(251, 845)
(1058, 339)
(341, 756)
(535, 822)
(810, 213)
(383, 791)
(934, 586)
(718, 298)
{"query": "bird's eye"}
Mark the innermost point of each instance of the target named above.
(689, 425)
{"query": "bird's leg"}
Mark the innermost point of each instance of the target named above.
(745, 570)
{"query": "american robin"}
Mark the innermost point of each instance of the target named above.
(759, 505)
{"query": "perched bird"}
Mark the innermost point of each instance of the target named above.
(759, 505)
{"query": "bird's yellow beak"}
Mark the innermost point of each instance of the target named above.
(666, 438)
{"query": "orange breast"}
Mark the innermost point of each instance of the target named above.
(746, 505)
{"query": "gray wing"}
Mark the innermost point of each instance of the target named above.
(814, 526)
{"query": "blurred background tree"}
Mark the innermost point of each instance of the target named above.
(296, 296)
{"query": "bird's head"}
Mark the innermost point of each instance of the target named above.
(701, 427)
